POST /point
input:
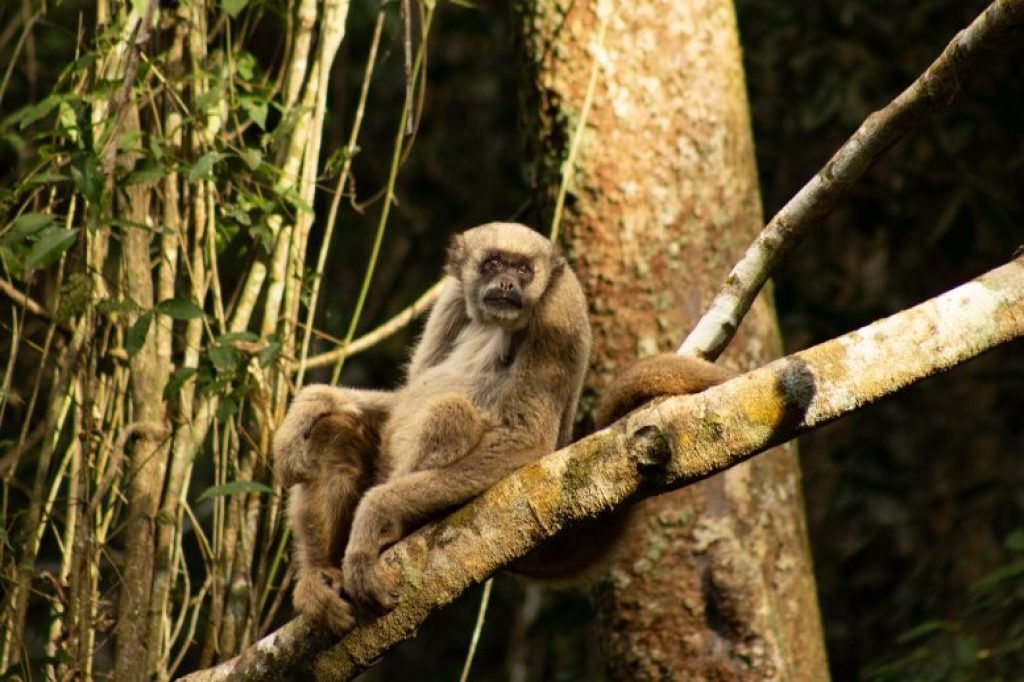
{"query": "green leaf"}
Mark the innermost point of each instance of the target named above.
(224, 358)
(26, 225)
(237, 336)
(177, 380)
(136, 335)
(233, 7)
(112, 307)
(226, 409)
(52, 242)
(253, 158)
(257, 109)
(1003, 574)
(179, 309)
(150, 171)
(205, 164)
(37, 111)
(262, 235)
(922, 631)
(1015, 540)
(234, 488)
(245, 64)
(139, 7)
(85, 173)
(269, 354)
(44, 179)
(68, 118)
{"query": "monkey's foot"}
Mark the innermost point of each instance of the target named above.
(318, 595)
(364, 587)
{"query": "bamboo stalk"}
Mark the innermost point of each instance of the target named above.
(389, 196)
(339, 191)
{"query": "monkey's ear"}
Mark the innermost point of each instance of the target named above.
(557, 259)
(456, 255)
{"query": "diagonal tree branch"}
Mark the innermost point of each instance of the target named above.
(659, 447)
(933, 90)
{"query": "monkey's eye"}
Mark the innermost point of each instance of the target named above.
(492, 263)
(524, 269)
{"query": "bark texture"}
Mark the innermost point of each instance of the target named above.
(715, 581)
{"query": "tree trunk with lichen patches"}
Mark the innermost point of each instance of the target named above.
(715, 582)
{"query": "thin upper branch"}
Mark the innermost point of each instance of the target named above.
(23, 300)
(932, 91)
(659, 447)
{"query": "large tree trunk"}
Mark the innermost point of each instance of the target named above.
(715, 581)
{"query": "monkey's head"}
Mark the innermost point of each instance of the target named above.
(504, 268)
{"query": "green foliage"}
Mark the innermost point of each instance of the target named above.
(987, 643)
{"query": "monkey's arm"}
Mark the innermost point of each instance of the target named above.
(446, 320)
(658, 375)
(294, 456)
(390, 511)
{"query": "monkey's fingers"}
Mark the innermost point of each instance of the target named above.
(318, 595)
(364, 587)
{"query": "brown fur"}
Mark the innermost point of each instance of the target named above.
(490, 387)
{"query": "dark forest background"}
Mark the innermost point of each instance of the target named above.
(915, 505)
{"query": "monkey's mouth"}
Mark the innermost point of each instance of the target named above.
(504, 300)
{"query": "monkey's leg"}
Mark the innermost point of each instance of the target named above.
(391, 510)
(450, 429)
(294, 459)
(320, 514)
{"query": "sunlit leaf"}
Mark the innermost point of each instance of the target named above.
(179, 309)
(233, 7)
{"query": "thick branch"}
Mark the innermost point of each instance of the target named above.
(932, 91)
(657, 448)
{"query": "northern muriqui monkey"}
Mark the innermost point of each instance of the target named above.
(492, 385)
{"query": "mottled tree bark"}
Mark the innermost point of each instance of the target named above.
(715, 581)
(148, 447)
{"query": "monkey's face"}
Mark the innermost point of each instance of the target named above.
(503, 292)
(504, 269)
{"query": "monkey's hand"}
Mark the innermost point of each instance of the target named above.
(293, 446)
(376, 526)
(318, 595)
